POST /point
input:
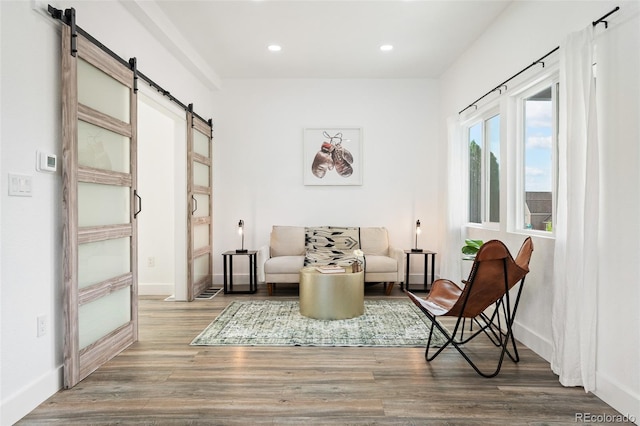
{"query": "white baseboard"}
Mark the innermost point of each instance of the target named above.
(28, 398)
(623, 399)
(534, 341)
(416, 280)
(241, 278)
(218, 279)
(155, 289)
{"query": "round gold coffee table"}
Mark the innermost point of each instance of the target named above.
(331, 296)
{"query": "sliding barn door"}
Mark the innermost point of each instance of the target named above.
(199, 194)
(99, 198)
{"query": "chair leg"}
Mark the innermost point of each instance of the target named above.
(515, 357)
(492, 324)
(495, 332)
(270, 287)
(449, 338)
(505, 339)
(388, 287)
(426, 351)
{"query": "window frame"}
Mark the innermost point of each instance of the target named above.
(482, 117)
(517, 191)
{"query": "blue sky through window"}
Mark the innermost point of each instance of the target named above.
(538, 154)
(475, 134)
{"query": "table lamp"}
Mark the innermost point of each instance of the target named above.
(241, 233)
(418, 232)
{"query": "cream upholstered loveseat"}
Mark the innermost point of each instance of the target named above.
(281, 261)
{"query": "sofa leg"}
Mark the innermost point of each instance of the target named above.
(387, 288)
(270, 288)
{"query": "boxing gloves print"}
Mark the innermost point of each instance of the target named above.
(332, 155)
(323, 160)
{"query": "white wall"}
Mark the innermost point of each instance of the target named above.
(159, 131)
(31, 228)
(522, 34)
(618, 87)
(258, 153)
(162, 224)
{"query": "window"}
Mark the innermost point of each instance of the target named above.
(539, 126)
(484, 170)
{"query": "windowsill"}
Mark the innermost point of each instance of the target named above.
(494, 227)
(485, 226)
(534, 233)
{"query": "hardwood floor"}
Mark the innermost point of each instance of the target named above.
(162, 380)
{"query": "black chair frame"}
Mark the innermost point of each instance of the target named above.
(491, 325)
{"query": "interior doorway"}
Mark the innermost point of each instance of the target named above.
(162, 240)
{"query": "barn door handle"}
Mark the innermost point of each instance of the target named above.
(135, 194)
(195, 204)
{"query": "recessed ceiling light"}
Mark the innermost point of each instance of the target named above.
(386, 47)
(274, 47)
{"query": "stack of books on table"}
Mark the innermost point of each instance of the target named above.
(330, 269)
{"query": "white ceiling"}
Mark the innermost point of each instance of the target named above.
(330, 39)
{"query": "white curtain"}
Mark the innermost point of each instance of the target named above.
(576, 246)
(451, 263)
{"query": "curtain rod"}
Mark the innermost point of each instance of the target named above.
(68, 17)
(539, 61)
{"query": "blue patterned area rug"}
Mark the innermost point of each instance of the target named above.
(385, 323)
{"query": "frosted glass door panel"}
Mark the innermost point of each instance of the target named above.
(199, 184)
(203, 205)
(200, 236)
(200, 267)
(102, 260)
(200, 144)
(201, 174)
(100, 317)
(101, 92)
(99, 263)
(102, 149)
(102, 204)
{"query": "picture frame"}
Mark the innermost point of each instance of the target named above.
(332, 156)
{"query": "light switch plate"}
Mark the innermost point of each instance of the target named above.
(20, 185)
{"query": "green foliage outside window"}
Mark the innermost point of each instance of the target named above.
(475, 182)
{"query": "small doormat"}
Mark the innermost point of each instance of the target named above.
(385, 323)
(209, 293)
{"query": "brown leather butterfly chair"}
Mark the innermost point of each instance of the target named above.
(493, 274)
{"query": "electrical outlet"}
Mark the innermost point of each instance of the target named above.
(42, 325)
(151, 262)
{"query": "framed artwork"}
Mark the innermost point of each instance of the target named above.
(333, 156)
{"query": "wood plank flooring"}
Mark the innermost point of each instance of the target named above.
(161, 380)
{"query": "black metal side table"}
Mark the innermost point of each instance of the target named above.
(426, 254)
(227, 259)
